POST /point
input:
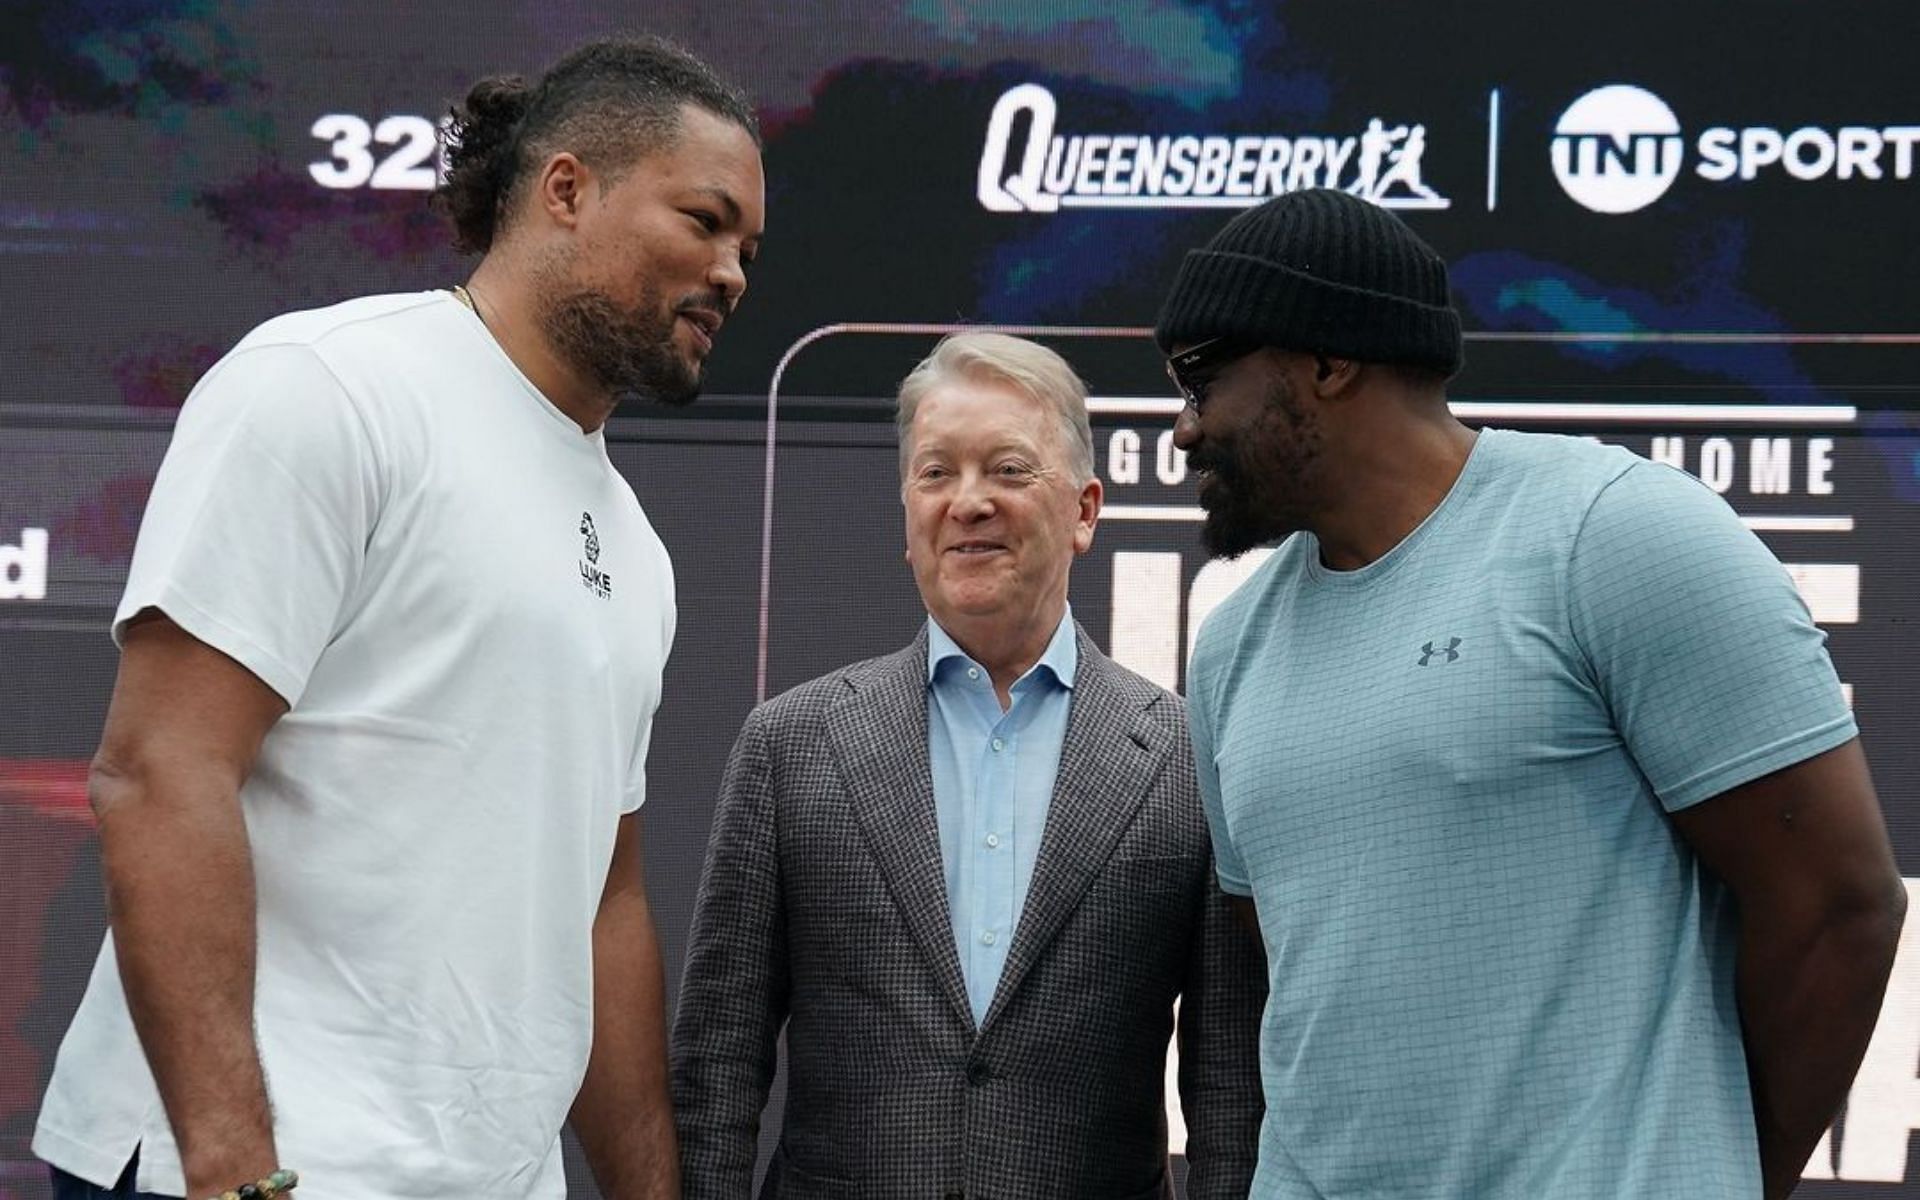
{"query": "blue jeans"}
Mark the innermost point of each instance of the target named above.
(72, 1187)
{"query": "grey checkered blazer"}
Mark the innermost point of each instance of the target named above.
(823, 908)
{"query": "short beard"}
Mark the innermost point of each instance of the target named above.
(626, 352)
(1233, 526)
(1260, 478)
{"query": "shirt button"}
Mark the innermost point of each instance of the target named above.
(998, 745)
(989, 938)
(993, 841)
(973, 672)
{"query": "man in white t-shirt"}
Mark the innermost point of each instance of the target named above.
(392, 642)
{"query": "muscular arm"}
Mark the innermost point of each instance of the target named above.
(1220, 1007)
(1805, 853)
(182, 731)
(623, 1115)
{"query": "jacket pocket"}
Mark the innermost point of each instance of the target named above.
(788, 1182)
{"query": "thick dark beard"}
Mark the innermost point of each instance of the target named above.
(1260, 479)
(626, 351)
(1234, 525)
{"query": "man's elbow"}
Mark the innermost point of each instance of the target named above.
(138, 792)
(111, 786)
(1891, 913)
(118, 796)
(1868, 918)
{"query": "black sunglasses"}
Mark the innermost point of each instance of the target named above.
(1194, 368)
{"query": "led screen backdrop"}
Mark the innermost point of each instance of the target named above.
(1685, 233)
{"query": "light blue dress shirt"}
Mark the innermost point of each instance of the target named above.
(993, 776)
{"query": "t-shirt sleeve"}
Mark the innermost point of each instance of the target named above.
(635, 794)
(1703, 648)
(1201, 700)
(256, 531)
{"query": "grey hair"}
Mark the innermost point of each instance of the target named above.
(1027, 367)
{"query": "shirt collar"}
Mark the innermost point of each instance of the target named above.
(1061, 657)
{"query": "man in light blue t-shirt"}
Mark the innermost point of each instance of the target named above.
(1526, 756)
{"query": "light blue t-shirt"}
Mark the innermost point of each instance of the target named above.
(993, 776)
(1495, 971)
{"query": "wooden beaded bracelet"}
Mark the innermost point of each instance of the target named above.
(276, 1184)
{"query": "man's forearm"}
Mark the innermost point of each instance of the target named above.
(1219, 1031)
(180, 901)
(623, 1114)
(1808, 1006)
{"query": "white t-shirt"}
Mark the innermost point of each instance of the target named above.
(372, 510)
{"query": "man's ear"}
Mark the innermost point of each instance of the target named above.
(560, 187)
(1333, 375)
(1092, 495)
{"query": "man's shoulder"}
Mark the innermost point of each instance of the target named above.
(365, 317)
(1526, 496)
(892, 672)
(299, 379)
(1118, 685)
(388, 359)
(1545, 466)
(339, 347)
(1582, 491)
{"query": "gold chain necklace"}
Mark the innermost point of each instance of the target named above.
(465, 297)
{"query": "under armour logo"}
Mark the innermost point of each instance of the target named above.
(1451, 650)
(593, 537)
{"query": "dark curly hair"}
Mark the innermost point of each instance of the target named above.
(610, 102)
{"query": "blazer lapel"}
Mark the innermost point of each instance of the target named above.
(879, 735)
(1109, 759)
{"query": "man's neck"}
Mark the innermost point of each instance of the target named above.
(1392, 474)
(1007, 649)
(506, 306)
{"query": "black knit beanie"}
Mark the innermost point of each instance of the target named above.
(1319, 272)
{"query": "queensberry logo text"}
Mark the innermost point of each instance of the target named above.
(1048, 171)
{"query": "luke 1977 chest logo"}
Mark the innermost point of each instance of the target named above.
(599, 582)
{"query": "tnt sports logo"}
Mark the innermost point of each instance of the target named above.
(1617, 149)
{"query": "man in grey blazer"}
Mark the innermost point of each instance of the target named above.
(971, 878)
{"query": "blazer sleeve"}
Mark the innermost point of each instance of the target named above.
(1219, 1035)
(733, 994)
